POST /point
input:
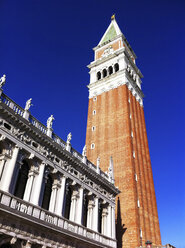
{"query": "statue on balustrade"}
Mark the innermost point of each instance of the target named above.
(50, 122)
(28, 104)
(69, 137)
(84, 152)
(2, 80)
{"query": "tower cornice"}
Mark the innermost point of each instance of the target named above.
(114, 81)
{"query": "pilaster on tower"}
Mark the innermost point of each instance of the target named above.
(116, 128)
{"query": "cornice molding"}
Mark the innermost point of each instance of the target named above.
(114, 81)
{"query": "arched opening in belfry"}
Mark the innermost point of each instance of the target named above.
(100, 209)
(110, 70)
(116, 67)
(47, 192)
(67, 201)
(104, 72)
(98, 75)
(85, 210)
(22, 180)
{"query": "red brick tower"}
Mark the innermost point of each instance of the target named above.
(116, 127)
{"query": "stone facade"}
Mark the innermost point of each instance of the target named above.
(50, 195)
(116, 114)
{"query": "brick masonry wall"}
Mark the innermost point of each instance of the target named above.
(117, 115)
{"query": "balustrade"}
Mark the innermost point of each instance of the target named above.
(33, 212)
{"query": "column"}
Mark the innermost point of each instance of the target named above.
(104, 221)
(29, 184)
(9, 170)
(109, 222)
(53, 198)
(2, 164)
(113, 223)
(73, 205)
(37, 185)
(90, 213)
(95, 214)
(79, 208)
(60, 197)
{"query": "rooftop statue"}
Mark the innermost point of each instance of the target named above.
(84, 152)
(28, 104)
(69, 137)
(50, 122)
(2, 80)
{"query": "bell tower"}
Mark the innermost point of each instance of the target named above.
(116, 127)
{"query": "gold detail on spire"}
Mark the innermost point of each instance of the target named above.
(113, 17)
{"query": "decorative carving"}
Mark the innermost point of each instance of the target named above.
(2, 80)
(54, 171)
(50, 155)
(32, 155)
(13, 240)
(109, 50)
(18, 133)
(50, 122)
(43, 151)
(3, 137)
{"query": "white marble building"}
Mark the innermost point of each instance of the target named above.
(50, 195)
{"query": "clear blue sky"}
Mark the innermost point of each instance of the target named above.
(45, 46)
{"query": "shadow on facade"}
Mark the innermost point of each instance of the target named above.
(120, 230)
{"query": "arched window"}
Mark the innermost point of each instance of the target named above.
(116, 67)
(110, 70)
(85, 209)
(47, 193)
(67, 202)
(22, 180)
(98, 75)
(104, 72)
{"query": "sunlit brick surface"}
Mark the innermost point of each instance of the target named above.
(117, 115)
